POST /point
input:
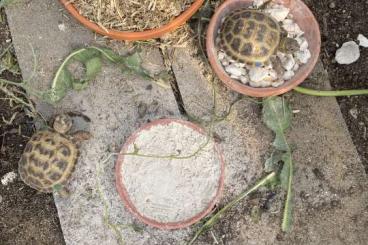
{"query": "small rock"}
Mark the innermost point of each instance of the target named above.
(236, 71)
(303, 56)
(235, 77)
(221, 55)
(304, 44)
(288, 62)
(292, 28)
(258, 3)
(260, 84)
(244, 79)
(259, 74)
(8, 178)
(354, 113)
(277, 83)
(62, 27)
(288, 75)
(1, 199)
(296, 67)
(363, 41)
(240, 65)
(225, 62)
(332, 5)
(280, 55)
(279, 12)
(348, 53)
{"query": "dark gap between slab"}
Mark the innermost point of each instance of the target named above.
(176, 91)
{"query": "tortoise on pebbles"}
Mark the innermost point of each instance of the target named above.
(50, 156)
(251, 36)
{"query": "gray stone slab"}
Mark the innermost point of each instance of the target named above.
(93, 214)
(330, 184)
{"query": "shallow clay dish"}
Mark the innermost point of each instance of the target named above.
(123, 189)
(134, 36)
(302, 16)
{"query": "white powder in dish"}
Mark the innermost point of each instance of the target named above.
(171, 190)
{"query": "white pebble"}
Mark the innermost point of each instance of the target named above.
(288, 62)
(280, 55)
(279, 12)
(62, 27)
(235, 77)
(288, 75)
(244, 79)
(221, 55)
(8, 178)
(240, 65)
(259, 74)
(354, 113)
(291, 27)
(258, 3)
(277, 83)
(303, 56)
(304, 44)
(225, 62)
(236, 71)
(348, 53)
(363, 41)
(296, 67)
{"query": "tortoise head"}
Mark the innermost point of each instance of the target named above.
(62, 123)
(288, 44)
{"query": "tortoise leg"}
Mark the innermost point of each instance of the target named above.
(78, 114)
(80, 136)
(64, 192)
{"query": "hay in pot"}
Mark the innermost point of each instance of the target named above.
(131, 15)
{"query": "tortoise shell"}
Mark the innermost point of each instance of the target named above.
(48, 159)
(249, 36)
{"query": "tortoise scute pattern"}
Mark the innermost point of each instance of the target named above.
(48, 159)
(249, 36)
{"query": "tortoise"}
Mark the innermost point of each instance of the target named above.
(50, 156)
(251, 36)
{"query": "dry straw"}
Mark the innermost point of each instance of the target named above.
(131, 15)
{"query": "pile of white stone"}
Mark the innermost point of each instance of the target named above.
(266, 76)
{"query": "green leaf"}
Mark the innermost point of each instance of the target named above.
(285, 172)
(271, 163)
(91, 59)
(286, 177)
(277, 116)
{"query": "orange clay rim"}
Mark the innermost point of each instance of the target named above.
(302, 15)
(125, 196)
(134, 36)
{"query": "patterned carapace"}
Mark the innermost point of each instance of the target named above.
(249, 36)
(49, 159)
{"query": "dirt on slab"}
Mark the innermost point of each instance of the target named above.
(342, 21)
(26, 216)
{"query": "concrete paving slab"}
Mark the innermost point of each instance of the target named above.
(93, 212)
(330, 184)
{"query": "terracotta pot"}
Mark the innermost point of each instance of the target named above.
(125, 196)
(302, 16)
(133, 36)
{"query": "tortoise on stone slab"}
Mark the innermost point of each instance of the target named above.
(50, 156)
(251, 36)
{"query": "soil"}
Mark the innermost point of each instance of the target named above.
(26, 216)
(342, 21)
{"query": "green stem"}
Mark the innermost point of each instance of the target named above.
(313, 92)
(211, 222)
